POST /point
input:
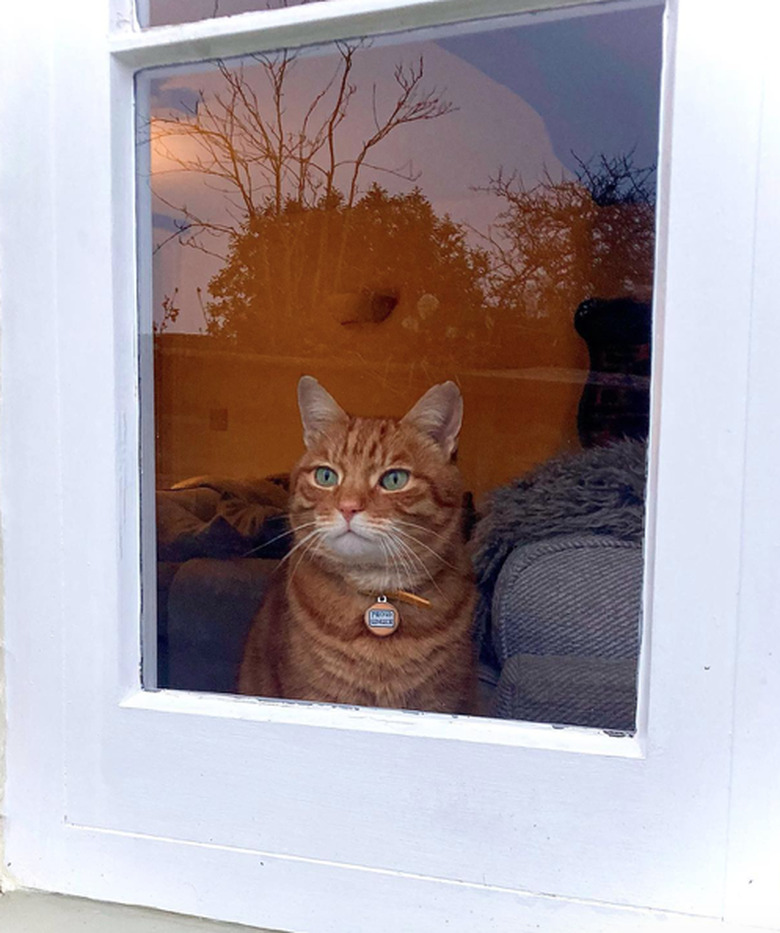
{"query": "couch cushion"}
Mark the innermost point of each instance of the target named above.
(596, 692)
(576, 596)
(210, 607)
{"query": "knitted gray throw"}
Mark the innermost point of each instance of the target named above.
(598, 491)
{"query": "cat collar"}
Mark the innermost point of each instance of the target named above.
(382, 618)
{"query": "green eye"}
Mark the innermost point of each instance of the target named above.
(394, 479)
(324, 476)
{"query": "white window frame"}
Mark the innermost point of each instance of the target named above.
(264, 812)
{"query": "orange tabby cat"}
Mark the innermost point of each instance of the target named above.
(375, 504)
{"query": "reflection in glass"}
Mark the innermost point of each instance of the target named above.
(172, 12)
(387, 216)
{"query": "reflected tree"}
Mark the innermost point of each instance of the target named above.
(311, 244)
(559, 242)
(301, 232)
(340, 264)
(247, 148)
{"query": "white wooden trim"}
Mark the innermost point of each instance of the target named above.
(232, 808)
(125, 15)
(359, 899)
(133, 206)
(321, 22)
(664, 171)
(570, 739)
(753, 891)
(29, 484)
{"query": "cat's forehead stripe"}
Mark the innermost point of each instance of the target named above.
(363, 437)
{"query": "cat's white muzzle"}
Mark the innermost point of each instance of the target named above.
(353, 540)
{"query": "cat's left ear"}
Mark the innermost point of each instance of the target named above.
(319, 410)
(439, 414)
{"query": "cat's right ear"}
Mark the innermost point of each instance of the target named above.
(319, 410)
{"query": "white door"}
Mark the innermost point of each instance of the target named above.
(306, 817)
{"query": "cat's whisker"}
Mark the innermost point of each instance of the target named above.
(284, 534)
(382, 533)
(303, 525)
(421, 564)
(306, 538)
(377, 528)
(416, 557)
(385, 552)
(404, 572)
(313, 542)
(397, 521)
(406, 534)
(399, 558)
(389, 556)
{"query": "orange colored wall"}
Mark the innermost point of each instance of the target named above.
(230, 413)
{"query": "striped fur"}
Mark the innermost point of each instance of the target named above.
(357, 540)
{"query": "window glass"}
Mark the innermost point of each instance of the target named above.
(405, 228)
(172, 12)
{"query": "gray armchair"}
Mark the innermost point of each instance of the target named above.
(565, 626)
(558, 556)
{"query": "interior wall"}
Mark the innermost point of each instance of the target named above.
(235, 414)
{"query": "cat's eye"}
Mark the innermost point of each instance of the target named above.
(394, 479)
(324, 476)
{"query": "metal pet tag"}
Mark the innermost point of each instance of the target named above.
(382, 618)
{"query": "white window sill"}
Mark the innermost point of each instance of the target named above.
(34, 912)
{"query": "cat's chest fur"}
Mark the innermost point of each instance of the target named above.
(310, 641)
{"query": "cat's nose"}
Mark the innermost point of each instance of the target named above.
(349, 510)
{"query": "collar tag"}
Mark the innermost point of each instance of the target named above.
(382, 618)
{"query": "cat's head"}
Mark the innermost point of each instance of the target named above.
(378, 493)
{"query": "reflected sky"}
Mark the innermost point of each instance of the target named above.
(593, 79)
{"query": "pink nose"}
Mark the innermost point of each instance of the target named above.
(349, 511)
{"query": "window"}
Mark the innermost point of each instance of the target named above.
(470, 205)
(166, 12)
(308, 816)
